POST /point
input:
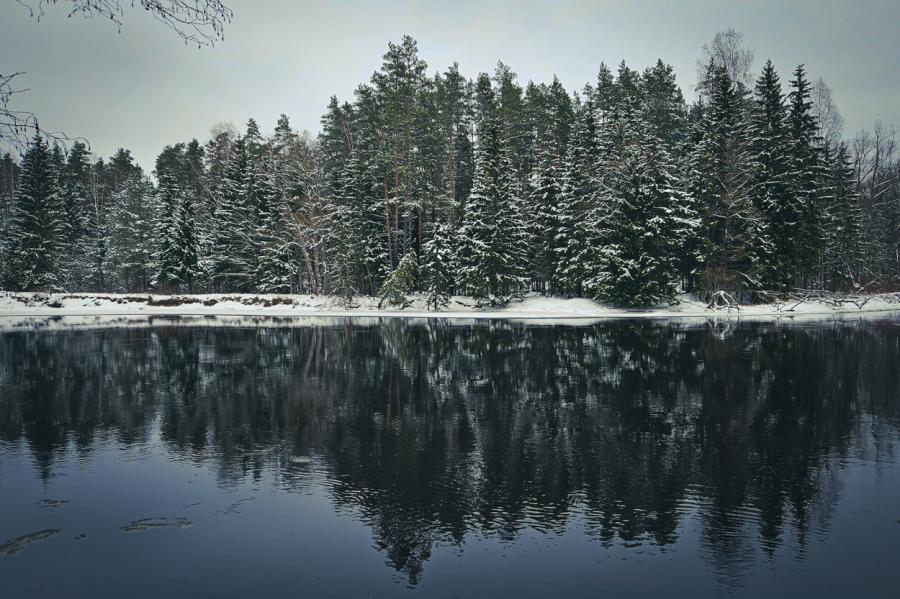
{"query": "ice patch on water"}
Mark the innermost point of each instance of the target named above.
(151, 523)
(16, 545)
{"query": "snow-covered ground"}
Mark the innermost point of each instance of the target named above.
(21, 307)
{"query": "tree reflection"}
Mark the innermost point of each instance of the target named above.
(433, 431)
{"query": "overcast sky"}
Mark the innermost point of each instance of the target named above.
(143, 88)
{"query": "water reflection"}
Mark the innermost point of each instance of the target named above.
(432, 432)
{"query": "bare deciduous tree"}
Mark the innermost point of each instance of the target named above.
(831, 123)
(727, 50)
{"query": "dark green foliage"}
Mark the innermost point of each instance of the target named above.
(542, 221)
(805, 164)
(399, 283)
(842, 217)
(176, 229)
(738, 244)
(772, 192)
(622, 192)
(575, 235)
(492, 246)
(439, 266)
(36, 229)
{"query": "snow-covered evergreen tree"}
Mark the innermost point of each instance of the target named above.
(275, 268)
(76, 199)
(841, 220)
(648, 217)
(37, 222)
(93, 247)
(772, 172)
(9, 183)
(738, 245)
(575, 237)
(399, 283)
(542, 220)
(233, 257)
(492, 249)
(438, 266)
(805, 175)
(177, 236)
(132, 232)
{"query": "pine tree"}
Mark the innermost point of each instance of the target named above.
(492, 252)
(36, 227)
(438, 266)
(454, 116)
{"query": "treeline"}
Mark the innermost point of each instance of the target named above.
(445, 185)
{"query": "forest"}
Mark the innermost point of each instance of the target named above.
(445, 185)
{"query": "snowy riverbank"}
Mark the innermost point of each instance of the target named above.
(532, 307)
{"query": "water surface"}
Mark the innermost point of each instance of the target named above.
(437, 459)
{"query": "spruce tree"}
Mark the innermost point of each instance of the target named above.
(841, 220)
(738, 246)
(492, 252)
(575, 236)
(37, 222)
(771, 184)
(132, 232)
(647, 219)
(275, 268)
(177, 237)
(9, 183)
(438, 266)
(805, 175)
(233, 258)
(398, 284)
(542, 220)
(93, 248)
(664, 109)
(77, 199)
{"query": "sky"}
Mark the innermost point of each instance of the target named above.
(142, 88)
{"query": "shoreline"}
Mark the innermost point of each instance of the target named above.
(533, 308)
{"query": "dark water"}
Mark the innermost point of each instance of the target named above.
(402, 458)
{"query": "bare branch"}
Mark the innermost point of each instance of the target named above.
(17, 127)
(200, 22)
(726, 50)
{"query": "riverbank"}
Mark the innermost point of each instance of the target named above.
(532, 307)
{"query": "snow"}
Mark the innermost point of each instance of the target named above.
(18, 309)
